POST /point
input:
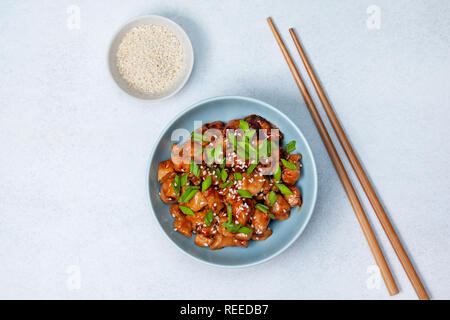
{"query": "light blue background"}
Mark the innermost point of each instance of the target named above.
(75, 148)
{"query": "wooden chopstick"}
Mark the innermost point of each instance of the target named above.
(362, 177)
(360, 214)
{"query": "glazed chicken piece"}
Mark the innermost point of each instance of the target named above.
(213, 131)
(219, 125)
(180, 164)
(263, 236)
(228, 195)
(167, 193)
(294, 199)
(265, 190)
(202, 241)
(243, 209)
(198, 223)
(280, 209)
(235, 161)
(194, 180)
(220, 241)
(269, 164)
(214, 200)
(260, 221)
(253, 183)
(221, 229)
(243, 236)
(258, 122)
(180, 223)
(290, 176)
(205, 172)
(232, 124)
(197, 202)
(192, 150)
(164, 169)
(209, 172)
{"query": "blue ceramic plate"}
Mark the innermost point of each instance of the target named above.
(284, 232)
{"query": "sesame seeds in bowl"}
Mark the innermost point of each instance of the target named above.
(151, 58)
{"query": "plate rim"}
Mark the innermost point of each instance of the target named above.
(314, 171)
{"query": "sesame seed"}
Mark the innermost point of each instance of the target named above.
(149, 58)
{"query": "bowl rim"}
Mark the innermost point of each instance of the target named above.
(313, 170)
(157, 18)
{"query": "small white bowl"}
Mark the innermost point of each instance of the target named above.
(183, 74)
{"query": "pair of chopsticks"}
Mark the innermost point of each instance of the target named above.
(357, 167)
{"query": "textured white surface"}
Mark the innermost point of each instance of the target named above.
(75, 148)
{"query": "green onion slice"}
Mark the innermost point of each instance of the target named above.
(210, 156)
(263, 149)
(245, 230)
(226, 185)
(288, 164)
(250, 133)
(195, 169)
(187, 211)
(244, 125)
(184, 179)
(245, 193)
(251, 168)
(206, 183)
(199, 137)
(242, 153)
(230, 213)
(272, 198)
(262, 207)
(284, 190)
(231, 227)
(246, 146)
(176, 185)
(290, 146)
(224, 175)
(198, 151)
(188, 194)
(209, 217)
(217, 172)
(218, 153)
(277, 174)
(232, 137)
